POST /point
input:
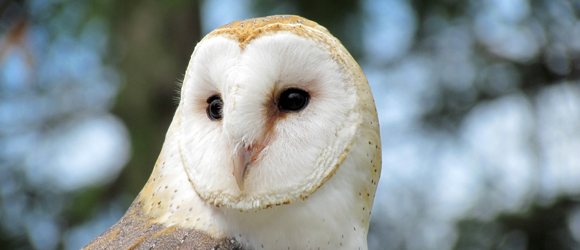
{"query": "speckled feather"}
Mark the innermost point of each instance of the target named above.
(177, 209)
(135, 231)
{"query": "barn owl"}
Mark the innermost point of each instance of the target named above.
(274, 145)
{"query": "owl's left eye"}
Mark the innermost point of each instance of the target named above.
(214, 109)
(293, 100)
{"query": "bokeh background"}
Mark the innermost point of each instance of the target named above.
(479, 104)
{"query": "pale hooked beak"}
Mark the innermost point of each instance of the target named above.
(242, 161)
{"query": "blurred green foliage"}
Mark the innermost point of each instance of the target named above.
(150, 43)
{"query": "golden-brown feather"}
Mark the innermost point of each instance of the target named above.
(135, 231)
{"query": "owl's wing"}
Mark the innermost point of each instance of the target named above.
(135, 231)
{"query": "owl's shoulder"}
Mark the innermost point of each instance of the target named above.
(135, 231)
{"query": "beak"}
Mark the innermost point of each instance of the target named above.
(242, 161)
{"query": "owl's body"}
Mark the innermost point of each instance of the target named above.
(275, 145)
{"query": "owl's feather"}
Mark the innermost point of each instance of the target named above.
(135, 231)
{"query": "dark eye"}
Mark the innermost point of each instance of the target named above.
(214, 109)
(292, 100)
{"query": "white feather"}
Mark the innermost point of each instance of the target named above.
(319, 160)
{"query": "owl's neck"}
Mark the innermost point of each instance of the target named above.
(330, 218)
(326, 220)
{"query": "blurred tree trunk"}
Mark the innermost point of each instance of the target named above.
(155, 42)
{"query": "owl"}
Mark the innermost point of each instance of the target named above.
(275, 144)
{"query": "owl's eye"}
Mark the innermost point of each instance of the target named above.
(293, 100)
(214, 109)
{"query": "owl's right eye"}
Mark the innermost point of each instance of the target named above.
(214, 107)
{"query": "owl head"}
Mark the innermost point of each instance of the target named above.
(270, 108)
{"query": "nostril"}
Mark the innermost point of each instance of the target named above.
(256, 153)
(254, 158)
